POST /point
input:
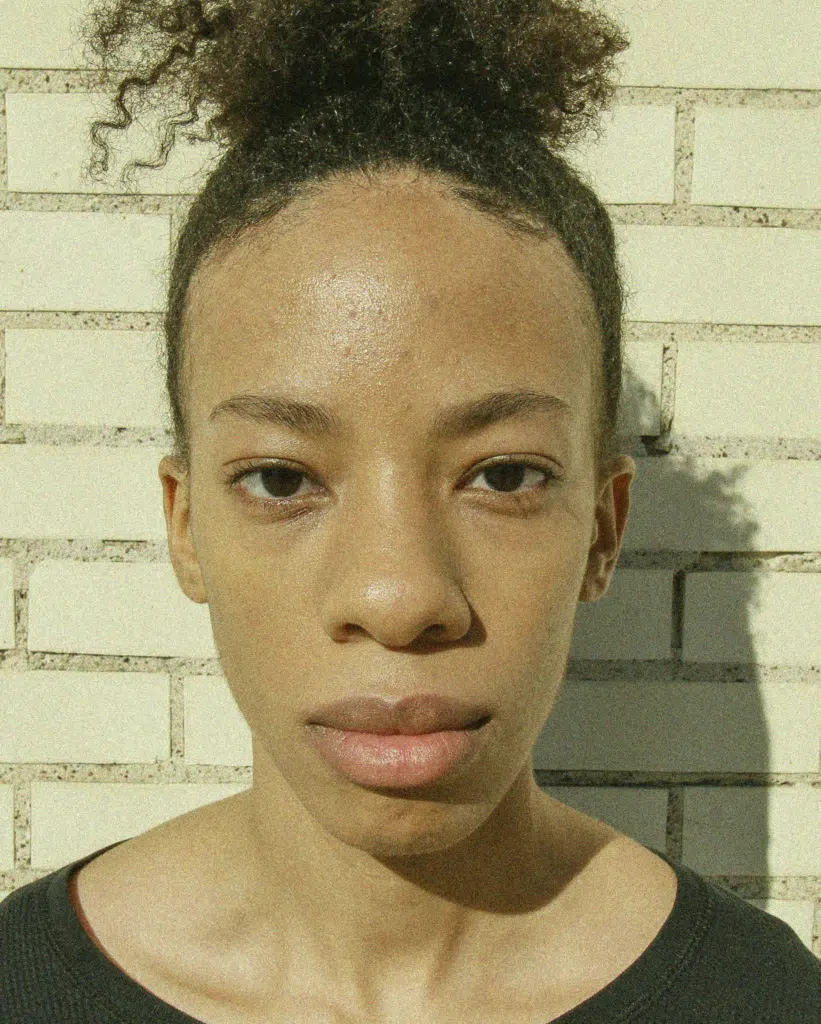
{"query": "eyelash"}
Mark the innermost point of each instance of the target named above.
(517, 498)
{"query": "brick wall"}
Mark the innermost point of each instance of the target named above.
(691, 716)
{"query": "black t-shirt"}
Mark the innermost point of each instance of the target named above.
(716, 960)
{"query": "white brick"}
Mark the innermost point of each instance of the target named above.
(744, 830)
(721, 275)
(749, 157)
(100, 378)
(638, 813)
(703, 44)
(746, 389)
(83, 491)
(215, 730)
(40, 35)
(798, 914)
(72, 819)
(633, 160)
(704, 504)
(115, 608)
(6, 603)
(83, 261)
(104, 717)
(49, 148)
(633, 620)
(769, 618)
(6, 828)
(682, 727)
(640, 408)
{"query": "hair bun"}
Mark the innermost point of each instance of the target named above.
(543, 67)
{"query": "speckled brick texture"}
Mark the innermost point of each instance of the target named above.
(691, 715)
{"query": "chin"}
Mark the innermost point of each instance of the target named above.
(405, 828)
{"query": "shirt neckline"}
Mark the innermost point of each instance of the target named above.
(622, 999)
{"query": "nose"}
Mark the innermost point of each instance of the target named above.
(393, 572)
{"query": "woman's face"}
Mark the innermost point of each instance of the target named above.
(394, 565)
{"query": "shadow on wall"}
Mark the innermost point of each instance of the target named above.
(660, 718)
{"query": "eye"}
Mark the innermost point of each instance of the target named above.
(509, 474)
(275, 478)
(279, 482)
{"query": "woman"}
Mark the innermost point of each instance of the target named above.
(394, 368)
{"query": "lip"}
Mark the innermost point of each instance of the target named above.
(396, 761)
(410, 715)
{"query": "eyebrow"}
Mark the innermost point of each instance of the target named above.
(456, 421)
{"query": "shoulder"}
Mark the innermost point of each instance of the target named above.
(714, 958)
(48, 966)
(33, 980)
(741, 963)
(23, 920)
(757, 940)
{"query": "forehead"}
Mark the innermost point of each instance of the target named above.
(385, 283)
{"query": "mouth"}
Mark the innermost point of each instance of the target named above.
(397, 742)
(396, 760)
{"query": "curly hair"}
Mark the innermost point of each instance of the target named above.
(480, 94)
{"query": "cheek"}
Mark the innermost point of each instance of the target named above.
(545, 557)
(255, 608)
(536, 595)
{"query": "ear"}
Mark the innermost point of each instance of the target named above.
(177, 506)
(612, 506)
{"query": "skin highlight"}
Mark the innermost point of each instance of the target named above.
(397, 570)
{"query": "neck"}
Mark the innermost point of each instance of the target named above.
(365, 917)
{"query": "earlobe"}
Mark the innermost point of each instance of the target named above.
(593, 586)
(586, 593)
(181, 549)
(612, 508)
(189, 575)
